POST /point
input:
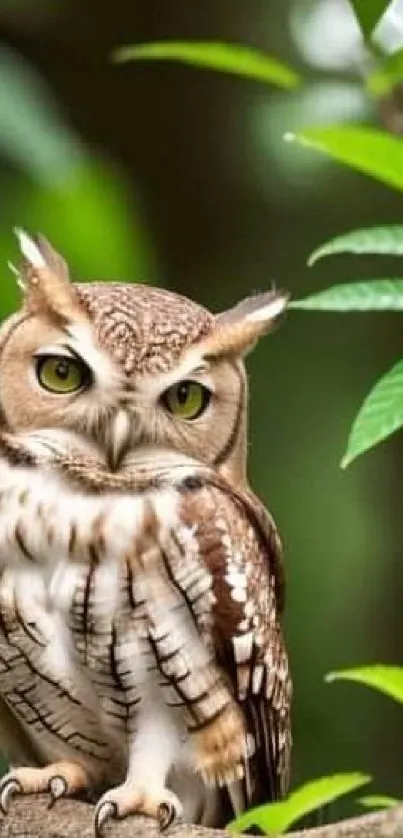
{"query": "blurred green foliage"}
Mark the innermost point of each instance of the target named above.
(278, 817)
(369, 13)
(380, 156)
(378, 801)
(382, 241)
(386, 679)
(235, 59)
(367, 150)
(57, 184)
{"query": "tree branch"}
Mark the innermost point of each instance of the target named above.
(30, 818)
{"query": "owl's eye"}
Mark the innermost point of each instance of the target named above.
(186, 400)
(62, 374)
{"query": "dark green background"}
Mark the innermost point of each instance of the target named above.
(181, 177)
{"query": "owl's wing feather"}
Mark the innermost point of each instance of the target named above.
(16, 744)
(243, 558)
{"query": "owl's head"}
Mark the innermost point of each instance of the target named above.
(128, 366)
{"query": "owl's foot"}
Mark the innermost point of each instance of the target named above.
(59, 779)
(221, 748)
(131, 799)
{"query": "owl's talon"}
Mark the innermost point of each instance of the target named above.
(57, 789)
(162, 805)
(58, 779)
(8, 789)
(167, 815)
(107, 811)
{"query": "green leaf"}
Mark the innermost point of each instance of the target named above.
(237, 59)
(378, 801)
(379, 240)
(386, 679)
(373, 295)
(380, 415)
(278, 817)
(369, 13)
(368, 150)
(387, 76)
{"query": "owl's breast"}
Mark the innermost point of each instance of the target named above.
(38, 678)
(148, 585)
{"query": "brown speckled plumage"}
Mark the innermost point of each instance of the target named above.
(144, 329)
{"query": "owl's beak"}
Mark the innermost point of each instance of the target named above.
(119, 432)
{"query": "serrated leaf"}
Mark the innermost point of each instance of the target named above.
(380, 416)
(387, 76)
(372, 295)
(236, 59)
(369, 13)
(278, 817)
(367, 150)
(378, 801)
(385, 241)
(386, 679)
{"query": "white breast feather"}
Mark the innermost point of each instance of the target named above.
(35, 501)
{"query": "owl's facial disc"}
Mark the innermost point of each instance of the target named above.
(61, 380)
(123, 367)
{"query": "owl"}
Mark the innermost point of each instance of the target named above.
(142, 660)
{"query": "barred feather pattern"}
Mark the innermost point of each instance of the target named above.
(171, 592)
(247, 634)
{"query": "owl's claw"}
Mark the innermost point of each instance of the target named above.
(9, 787)
(57, 788)
(107, 811)
(126, 800)
(167, 815)
(59, 779)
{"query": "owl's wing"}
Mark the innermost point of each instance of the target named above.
(15, 744)
(239, 545)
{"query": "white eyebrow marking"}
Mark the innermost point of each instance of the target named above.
(200, 369)
(56, 349)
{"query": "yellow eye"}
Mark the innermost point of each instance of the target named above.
(186, 400)
(62, 374)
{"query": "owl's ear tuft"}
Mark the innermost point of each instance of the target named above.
(38, 254)
(53, 259)
(236, 330)
(45, 280)
(30, 249)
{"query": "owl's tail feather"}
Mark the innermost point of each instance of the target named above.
(262, 782)
(265, 780)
